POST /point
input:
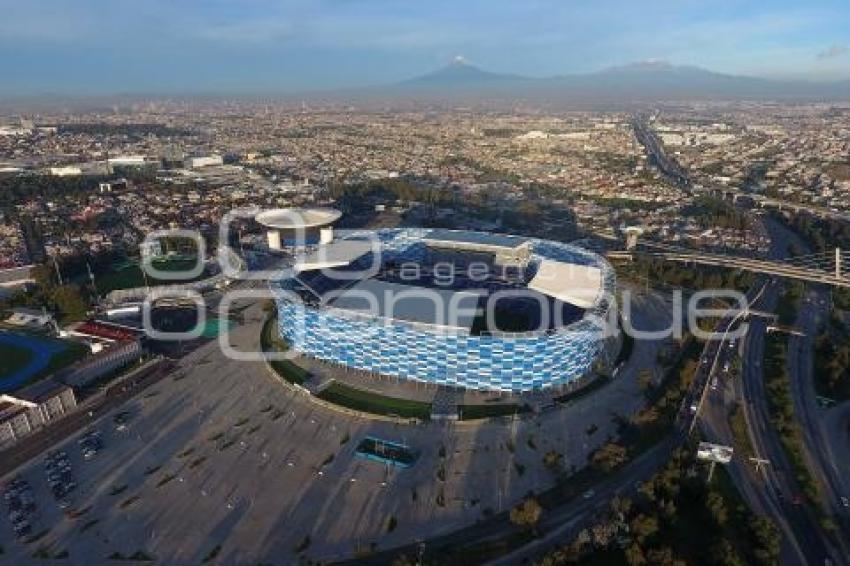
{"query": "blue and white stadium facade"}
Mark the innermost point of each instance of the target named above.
(325, 317)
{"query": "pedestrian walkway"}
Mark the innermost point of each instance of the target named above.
(444, 405)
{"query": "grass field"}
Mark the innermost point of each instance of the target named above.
(14, 359)
(472, 412)
(591, 387)
(26, 358)
(368, 402)
(271, 342)
(129, 275)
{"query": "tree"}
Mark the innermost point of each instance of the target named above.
(645, 380)
(717, 507)
(621, 505)
(43, 274)
(527, 513)
(723, 553)
(634, 555)
(664, 557)
(553, 460)
(643, 527)
(70, 302)
(603, 533)
(609, 456)
(767, 541)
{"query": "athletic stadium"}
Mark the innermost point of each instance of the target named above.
(472, 310)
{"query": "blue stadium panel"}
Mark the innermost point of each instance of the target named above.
(511, 363)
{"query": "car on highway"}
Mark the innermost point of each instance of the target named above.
(844, 501)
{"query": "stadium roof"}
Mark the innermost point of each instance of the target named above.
(293, 218)
(438, 307)
(571, 283)
(338, 253)
(473, 240)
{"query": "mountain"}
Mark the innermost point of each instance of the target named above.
(642, 81)
(459, 73)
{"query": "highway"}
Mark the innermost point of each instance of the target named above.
(805, 539)
(772, 203)
(812, 313)
(656, 155)
(820, 457)
(723, 395)
(774, 491)
(671, 169)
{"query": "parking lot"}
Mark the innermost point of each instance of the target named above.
(220, 459)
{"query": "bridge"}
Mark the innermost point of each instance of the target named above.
(761, 201)
(825, 267)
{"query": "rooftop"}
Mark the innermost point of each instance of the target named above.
(571, 283)
(293, 218)
(473, 240)
(335, 254)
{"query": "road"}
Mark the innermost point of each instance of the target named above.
(656, 154)
(773, 491)
(820, 451)
(805, 540)
(820, 457)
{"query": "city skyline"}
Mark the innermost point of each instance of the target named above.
(95, 48)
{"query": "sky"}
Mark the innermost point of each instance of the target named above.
(195, 46)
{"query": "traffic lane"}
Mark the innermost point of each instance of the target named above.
(769, 446)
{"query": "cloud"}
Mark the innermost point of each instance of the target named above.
(833, 51)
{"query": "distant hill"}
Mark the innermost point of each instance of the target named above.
(460, 74)
(462, 82)
(650, 80)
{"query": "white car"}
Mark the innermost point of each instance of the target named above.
(845, 502)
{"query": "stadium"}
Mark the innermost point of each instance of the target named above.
(471, 310)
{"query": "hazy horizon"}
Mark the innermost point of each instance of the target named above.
(94, 47)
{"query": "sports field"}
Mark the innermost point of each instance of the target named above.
(129, 275)
(25, 358)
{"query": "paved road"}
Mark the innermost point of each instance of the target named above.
(770, 492)
(655, 151)
(780, 484)
(820, 456)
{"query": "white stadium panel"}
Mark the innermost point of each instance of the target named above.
(571, 283)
